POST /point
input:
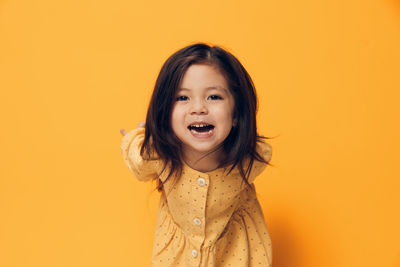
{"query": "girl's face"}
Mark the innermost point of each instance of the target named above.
(202, 114)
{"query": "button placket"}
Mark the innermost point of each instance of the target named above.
(200, 187)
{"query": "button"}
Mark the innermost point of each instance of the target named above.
(201, 181)
(197, 221)
(194, 253)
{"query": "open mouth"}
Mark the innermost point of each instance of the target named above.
(201, 128)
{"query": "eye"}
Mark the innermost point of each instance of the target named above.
(181, 98)
(215, 97)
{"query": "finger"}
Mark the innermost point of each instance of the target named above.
(141, 124)
(123, 132)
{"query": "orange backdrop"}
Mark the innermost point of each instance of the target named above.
(72, 73)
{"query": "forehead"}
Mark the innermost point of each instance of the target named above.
(203, 76)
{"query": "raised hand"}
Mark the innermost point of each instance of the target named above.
(141, 124)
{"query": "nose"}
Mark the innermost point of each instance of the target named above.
(198, 107)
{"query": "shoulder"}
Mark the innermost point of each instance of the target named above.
(264, 150)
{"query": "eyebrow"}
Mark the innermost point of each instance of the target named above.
(207, 88)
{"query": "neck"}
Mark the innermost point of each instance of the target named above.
(201, 161)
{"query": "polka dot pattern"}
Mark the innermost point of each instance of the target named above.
(204, 219)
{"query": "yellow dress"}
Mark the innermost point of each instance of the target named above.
(205, 219)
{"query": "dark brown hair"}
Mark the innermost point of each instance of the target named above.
(241, 141)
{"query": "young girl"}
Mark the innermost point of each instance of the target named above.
(200, 143)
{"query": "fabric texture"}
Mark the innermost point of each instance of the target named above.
(207, 218)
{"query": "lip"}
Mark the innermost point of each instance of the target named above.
(202, 135)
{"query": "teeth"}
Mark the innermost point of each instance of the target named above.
(199, 125)
(196, 132)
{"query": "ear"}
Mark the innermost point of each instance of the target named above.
(234, 123)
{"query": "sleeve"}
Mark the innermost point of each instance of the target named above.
(144, 170)
(265, 150)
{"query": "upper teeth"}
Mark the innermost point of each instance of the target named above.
(199, 125)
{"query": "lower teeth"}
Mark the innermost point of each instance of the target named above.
(196, 132)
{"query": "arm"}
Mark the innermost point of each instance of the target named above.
(144, 170)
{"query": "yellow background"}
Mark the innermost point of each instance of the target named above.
(72, 73)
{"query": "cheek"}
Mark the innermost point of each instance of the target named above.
(226, 119)
(177, 117)
(226, 114)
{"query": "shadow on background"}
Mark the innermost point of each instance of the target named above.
(285, 252)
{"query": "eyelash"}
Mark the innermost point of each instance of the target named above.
(180, 98)
(218, 97)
